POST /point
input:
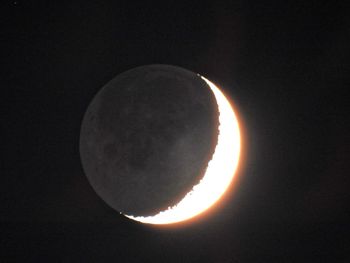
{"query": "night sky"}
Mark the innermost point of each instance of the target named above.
(285, 64)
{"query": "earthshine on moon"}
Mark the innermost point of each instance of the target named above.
(160, 144)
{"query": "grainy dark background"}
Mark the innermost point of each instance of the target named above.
(285, 64)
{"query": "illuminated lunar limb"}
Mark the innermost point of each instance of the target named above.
(220, 171)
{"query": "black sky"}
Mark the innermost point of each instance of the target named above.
(284, 63)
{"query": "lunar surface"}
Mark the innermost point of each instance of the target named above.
(218, 176)
(147, 137)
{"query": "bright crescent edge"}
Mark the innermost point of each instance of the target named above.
(219, 174)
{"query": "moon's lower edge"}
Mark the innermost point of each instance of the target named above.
(220, 171)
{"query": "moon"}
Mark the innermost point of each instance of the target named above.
(160, 144)
(219, 173)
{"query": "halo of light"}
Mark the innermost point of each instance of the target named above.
(219, 173)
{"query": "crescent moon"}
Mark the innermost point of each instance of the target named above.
(220, 171)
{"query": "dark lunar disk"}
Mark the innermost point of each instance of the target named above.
(147, 137)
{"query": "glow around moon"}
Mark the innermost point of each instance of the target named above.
(219, 174)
